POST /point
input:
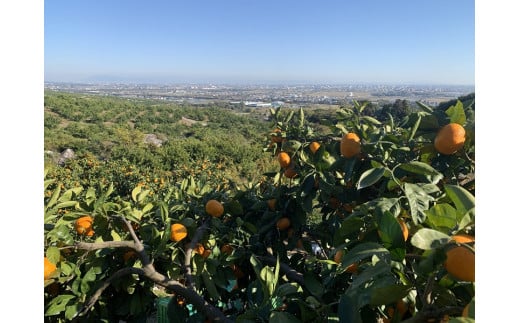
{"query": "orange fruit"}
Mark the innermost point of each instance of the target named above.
(275, 138)
(178, 232)
(404, 228)
(350, 145)
(450, 138)
(290, 173)
(460, 263)
(206, 253)
(227, 249)
(338, 255)
(199, 248)
(214, 208)
(48, 268)
(352, 268)
(283, 223)
(83, 225)
(271, 204)
(314, 146)
(284, 159)
(128, 255)
(334, 202)
(237, 271)
(463, 238)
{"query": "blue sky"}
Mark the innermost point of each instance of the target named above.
(261, 41)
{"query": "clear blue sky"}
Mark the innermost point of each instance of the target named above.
(260, 41)
(400, 41)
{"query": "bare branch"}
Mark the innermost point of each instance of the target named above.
(91, 246)
(149, 272)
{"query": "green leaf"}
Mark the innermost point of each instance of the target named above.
(391, 235)
(289, 117)
(147, 208)
(72, 311)
(442, 217)
(461, 320)
(269, 278)
(53, 254)
(286, 289)
(90, 196)
(66, 204)
(210, 285)
(456, 113)
(115, 236)
(371, 120)
(349, 229)
(282, 317)
(418, 201)
(427, 239)
(370, 177)
(291, 146)
(312, 284)
(54, 197)
(136, 191)
(421, 168)
(388, 294)
(348, 310)
(463, 200)
(415, 127)
(363, 251)
(58, 304)
(424, 107)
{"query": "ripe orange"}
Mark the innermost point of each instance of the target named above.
(290, 173)
(275, 138)
(334, 202)
(314, 146)
(227, 249)
(271, 204)
(83, 225)
(237, 271)
(206, 253)
(128, 255)
(214, 208)
(404, 228)
(48, 268)
(178, 232)
(283, 223)
(352, 268)
(284, 159)
(450, 138)
(338, 255)
(460, 263)
(463, 238)
(199, 248)
(350, 145)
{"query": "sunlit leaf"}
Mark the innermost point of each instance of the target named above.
(426, 239)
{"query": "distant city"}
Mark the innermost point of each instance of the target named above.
(269, 95)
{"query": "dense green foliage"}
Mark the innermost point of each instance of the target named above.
(334, 204)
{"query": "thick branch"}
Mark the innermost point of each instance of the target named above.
(149, 272)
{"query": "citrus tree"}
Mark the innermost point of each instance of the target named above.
(371, 222)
